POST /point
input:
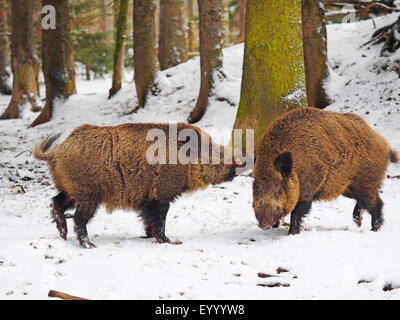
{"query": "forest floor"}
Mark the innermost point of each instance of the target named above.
(224, 254)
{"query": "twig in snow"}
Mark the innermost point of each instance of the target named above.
(62, 295)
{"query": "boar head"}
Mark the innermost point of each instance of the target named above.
(275, 190)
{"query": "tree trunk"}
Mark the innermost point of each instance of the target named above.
(24, 64)
(315, 53)
(242, 20)
(145, 48)
(4, 74)
(211, 41)
(116, 13)
(226, 23)
(103, 16)
(172, 45)
(191, 27)
(87, 71)
(273, 70)
(122, 28)
(57, 60)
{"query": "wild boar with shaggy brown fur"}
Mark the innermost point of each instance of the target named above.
(309, 154)
(109, 165)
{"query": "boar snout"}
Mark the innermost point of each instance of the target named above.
(266, 221)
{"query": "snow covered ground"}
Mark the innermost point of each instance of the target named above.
(224, 254)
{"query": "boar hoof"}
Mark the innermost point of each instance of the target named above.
(61, 225)
(62, 231)
(377, 225)
(294, 230)
(358, 221)
(87, 244)
(162, 239)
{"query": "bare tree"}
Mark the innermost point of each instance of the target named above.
(24, 64)
(122, 28)
(211, 42)
(4, 74)
(315, 53)
(242, 20)
(172, 45)
(191, 27)
(145, 48)
(57, 60)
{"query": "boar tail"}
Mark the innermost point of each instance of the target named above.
(39, 152)
(394, 156)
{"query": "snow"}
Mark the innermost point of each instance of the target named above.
(223, 250)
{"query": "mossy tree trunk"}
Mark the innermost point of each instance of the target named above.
(57, 60)
(211, 42)
(273, 70)
(315, 53)
(4, 74)
(24, 64)
(172, 45)
(120, 42)
(145, 48)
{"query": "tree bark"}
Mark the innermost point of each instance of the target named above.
(116, 13)
(315, 53)
(103, 16)
(211, 42)
(57, 60)
(24, 64)
(242, 20)
(122, 28)
(273, 70)
(191, 27)
(145, 49)
(172, 45)
(4, 74)
(226, 23)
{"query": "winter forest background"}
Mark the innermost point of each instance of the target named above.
(219, 64)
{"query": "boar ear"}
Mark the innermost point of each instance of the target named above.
(283, 163)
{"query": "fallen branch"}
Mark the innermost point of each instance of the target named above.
(63, 296)
(378, 5)
(339, 14)
(387, 34)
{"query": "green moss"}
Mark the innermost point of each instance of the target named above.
(273, 65)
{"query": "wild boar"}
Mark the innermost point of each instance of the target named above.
(310, 154)
(110, 165)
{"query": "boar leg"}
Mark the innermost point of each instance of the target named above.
(301, 209)
(83, 213)
(61, 203)
(371, 201)
(154, 215)
(277, 224)
(357, 217)
(376, 213)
